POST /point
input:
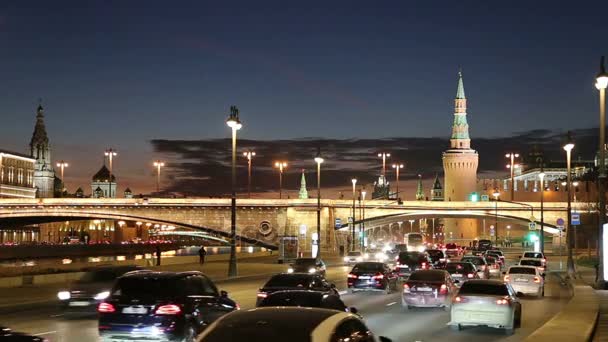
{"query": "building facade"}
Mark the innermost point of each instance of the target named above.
(103, 184)
(40, 150)
(16, 175)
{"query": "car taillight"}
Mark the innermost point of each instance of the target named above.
(379, 276)
(459, 299)
(502, 301)
(544, 260)
(406, 288)
(470, 275)
(443, 289)
(169, 309)
(495, 266)
(353, 276)
(537, 280)
(106, 308)
(507, 278)
(423, 265)
(262, 294)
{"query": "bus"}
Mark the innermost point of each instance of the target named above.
(414, 242)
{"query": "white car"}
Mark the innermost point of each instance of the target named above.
(352, 258)
(526, 280)
(535, 255)
(490, 303)
(540, 266)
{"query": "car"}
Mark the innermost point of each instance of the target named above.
(308, 265)
(438, 257)
(499, 255)
(428, 288)
(306, 298)
(161, 306)
(493, 266)
(295, 281)
(482, 302)
(535, 255)
(480, 264)
(371, 276)
(353, 257)
(461, 271)
(533, 262)
(289, 324)
(6, 334)
(408, 262)
(380, 256)
(452, 250)
(91, 288)
(526, 280)
(484, 245)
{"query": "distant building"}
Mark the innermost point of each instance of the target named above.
(79, 193)
(381, 188)
(437, 191)
(40, 149)
(103, 184)
(128, 193)
(16, 175)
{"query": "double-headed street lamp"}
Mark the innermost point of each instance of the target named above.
(541, 175)
(397, 167)
(280, 165)
(354, 181)
(568, 148)
(235, 124)
(158, 164)
(384, 156)
(249, 155)
(601, 83)
(512, 166)
(62, 165)
(496, 193)
(110, 153)
(319, 160)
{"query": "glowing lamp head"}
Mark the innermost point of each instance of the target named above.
(234, 123)
(601, 80)
(354, 181)
(319, 160)
(496, 194)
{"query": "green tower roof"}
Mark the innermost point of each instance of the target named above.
(419, 192)
(437, 183)
(303, 194)
(460, 91)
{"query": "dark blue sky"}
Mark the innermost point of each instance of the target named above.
(121, 73)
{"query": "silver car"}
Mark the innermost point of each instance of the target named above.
(491, 303)
(526, 280)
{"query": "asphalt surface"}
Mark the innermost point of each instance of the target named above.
(381, 312)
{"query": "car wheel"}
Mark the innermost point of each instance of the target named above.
(455, 327)
(447, 308)
(509, 331)
(542, 294)
(517, 323)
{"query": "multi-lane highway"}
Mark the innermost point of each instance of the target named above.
(382, 313)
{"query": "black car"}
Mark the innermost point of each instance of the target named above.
(6, 334)
(408, 262)
(289, 324)
(484, 245)
(92, 288)
(438, 257)
(375, 276)
(297, 282)
(307, 299)
(161, 306)
(461, 271)
(308, 265)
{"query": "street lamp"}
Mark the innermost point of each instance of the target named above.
(496, 193)
(138, 232)
(411, 225)
(249, 155)
(362, 225)
(280, 165)
(384, 156)
(354, 181)
(158, 164)
(110, 153)
(512, 166)
(601, 82)
(541, 175)
(235, 124)
(319, 160)
(397, 167)
(62, 165)
(568, 148)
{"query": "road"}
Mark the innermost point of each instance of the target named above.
(382, 313)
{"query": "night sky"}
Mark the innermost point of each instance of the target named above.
(127, 74)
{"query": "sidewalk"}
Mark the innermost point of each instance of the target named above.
(587, 274)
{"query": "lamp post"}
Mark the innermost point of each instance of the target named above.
(110, 153)
(397, 167)
(362, 225)
(280, 165)
(138, 232)
(411, 225)
(62, 165)
(601, 84)
(319, 160)
(496, 194)
(568, 148)
(541, 175)
(512, 166)
(158, 164)
(384, 156)
(235, 124)
(249, 155)
(354, 181)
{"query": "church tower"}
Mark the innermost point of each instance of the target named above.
(44, 174)
(460, 161)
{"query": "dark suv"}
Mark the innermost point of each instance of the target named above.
(161, 306)
(408, 262)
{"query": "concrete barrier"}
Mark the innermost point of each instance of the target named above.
(575, 322)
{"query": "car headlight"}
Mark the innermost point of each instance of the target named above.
(359, 259)
(63, 295)
(312, 270)
(366, 256)
(290, 270)
(421, 249)
(102, 295)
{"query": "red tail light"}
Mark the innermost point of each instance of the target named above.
(406, 288)
(507, 278)
(443, 289)
(169, 309)
(262, 294)
(496, 266)
(537, 280)
(353, 276)
(502, 301)
(106, 308)
(423, 265)
(470, 275)
(544, 260)
(459, 299)
(379, 276)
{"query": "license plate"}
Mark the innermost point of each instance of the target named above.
(79, 303)
(134, 310)
(364, 277)
(425, 289)
(456, 275)
(522, 280)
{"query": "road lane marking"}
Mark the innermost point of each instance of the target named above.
(46, 333)
(391, 303)
(58, 315)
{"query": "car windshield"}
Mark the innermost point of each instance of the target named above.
(485, 243)
(476, 288)
(355, 254)
(530, 262)
(522, 270)
(293, 299)
(106, 275)
(289, 280)
(411, 256)
(368, 267)
(459, 267)
(427, 276)
(435, 253)
(474, 261)
(533, 255)
(305, 262)
(451, 246)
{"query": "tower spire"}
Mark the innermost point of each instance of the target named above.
(460, 90)
(460, 129)
(303, 194)
(419, 191)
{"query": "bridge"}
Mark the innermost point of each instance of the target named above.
(262, 221)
